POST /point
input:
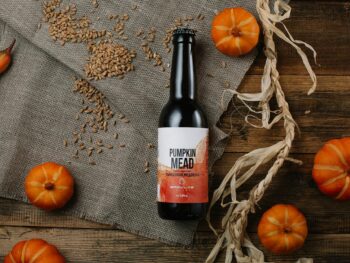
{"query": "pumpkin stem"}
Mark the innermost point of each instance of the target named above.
(287, 229)
(49, 186)
(235, 32)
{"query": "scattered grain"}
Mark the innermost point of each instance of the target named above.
(108, 60)
(227, 84)
(210, 75)
(125, 120)
(95, 3)
(64, 26)
(150, 145)
(150, 54)
(200, 16)
(139, 32)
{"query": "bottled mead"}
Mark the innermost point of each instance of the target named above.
(182, 190)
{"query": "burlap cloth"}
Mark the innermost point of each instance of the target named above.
(38, 108)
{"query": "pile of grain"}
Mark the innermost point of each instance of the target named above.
(64, 26)
(108, 60)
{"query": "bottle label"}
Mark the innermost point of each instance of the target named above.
(182, 165)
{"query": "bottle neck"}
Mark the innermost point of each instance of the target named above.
(183, 79)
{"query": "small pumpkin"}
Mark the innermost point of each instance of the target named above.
(34, 251)
(49, 186)
(331, 169)
(235, 31)
(282, 229)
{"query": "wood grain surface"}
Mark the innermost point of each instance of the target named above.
(321, 116)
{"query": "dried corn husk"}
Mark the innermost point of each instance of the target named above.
(234, 237)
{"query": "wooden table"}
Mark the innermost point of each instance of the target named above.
(326, 26)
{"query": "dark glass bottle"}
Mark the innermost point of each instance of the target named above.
(182, 123)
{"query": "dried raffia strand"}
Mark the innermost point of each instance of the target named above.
(234, 237)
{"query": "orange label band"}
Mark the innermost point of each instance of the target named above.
(182, 165)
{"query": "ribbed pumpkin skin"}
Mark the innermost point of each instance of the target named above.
(235, 31)
(282, 229)
(331, 167)
(34, 251)
(49, 174)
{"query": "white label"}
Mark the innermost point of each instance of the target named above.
(182, 165)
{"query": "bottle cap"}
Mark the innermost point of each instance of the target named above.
(183, 34)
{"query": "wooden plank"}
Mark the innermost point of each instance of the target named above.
(329, 109)
(319, 209)
(292, 185)
(95, 245)
(16, 213)
(324, 25)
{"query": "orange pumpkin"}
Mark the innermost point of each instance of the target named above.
(34, 251)
(331, 167)
(282, 229)
(49, 186)
(235, 31)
